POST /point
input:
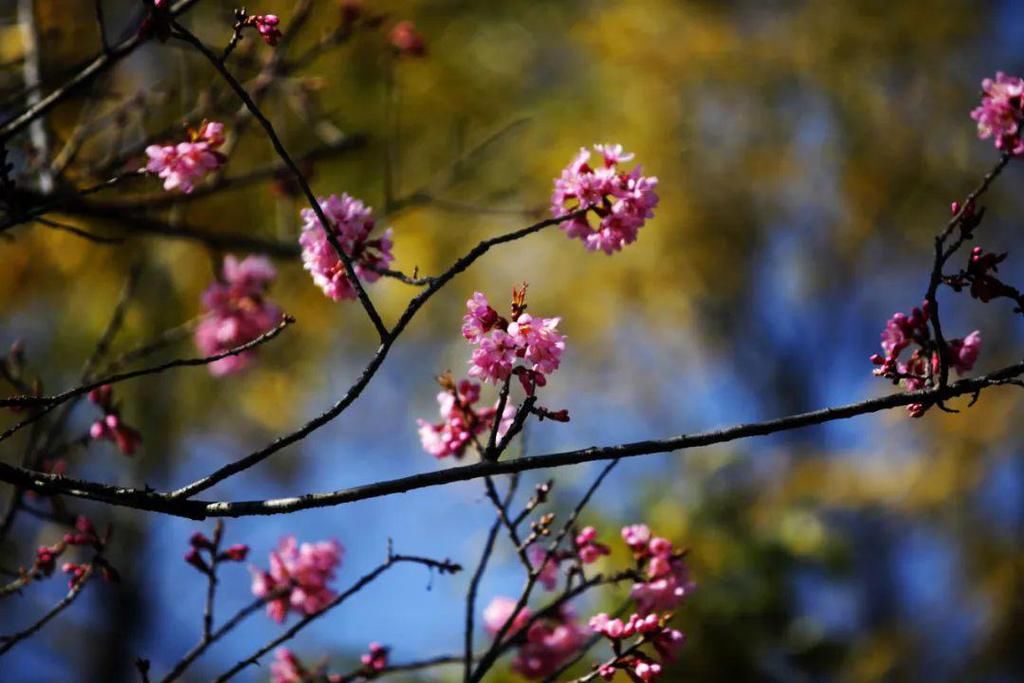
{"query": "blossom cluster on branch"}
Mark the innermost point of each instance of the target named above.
(548, 639)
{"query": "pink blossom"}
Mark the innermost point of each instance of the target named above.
(548, 574)
(587, 548)
(237, 312)
(549, 643)
(1002, 112)
(501, 345)
(647, 671)
(667, 578)
(351, 223)
(494, 357)
(376, 659)
(541, 343)
(622, 201)
(479, 318)
(651, 629)
(920, 369)
(286, 667)
(461, 421)
(184, 164)
(266, 24)
(113, 429)
(963, 353)
(499, 611)
(636, 536)
(668, 583)
(302, 573)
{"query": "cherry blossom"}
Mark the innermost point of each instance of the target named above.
(917, 372)
(237, 312)
(548, 563)
(1002, 112)
(648, 629)
(351, 222)
(499, 611)
(530, 347)
(185, 163)
(587, 548)
(623, 201)
(666, 576)
(549, 643)
(302, 573)
(460, 420)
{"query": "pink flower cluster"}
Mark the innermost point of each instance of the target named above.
(622, 201)
(586, 550)
(184, 164)
(902, 331)
(237, 312)
(298, 577)
(587, 547)
(501, 343)
(546, 644)
(376, 660)
(981, 278)
(667, 577)
(650, 629)
(499, 611)
(267, 24)
(1002, 112)
(460, 421)
(351, 222)
(111, 427)
(83, 534)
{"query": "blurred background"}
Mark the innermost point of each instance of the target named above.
(807, 153)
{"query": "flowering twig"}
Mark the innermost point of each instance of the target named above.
(443, 566)
(964, 217)
(354, 391)
(364, 299)
(48, 403)
(7, 642)
(491, 655)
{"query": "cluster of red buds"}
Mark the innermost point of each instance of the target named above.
(112, 427)
(205, 553)
(83, 534)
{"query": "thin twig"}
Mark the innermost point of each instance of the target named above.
(7, 642)
(80, 79)
(51, 402)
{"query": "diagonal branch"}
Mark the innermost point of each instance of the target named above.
(183, 34)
